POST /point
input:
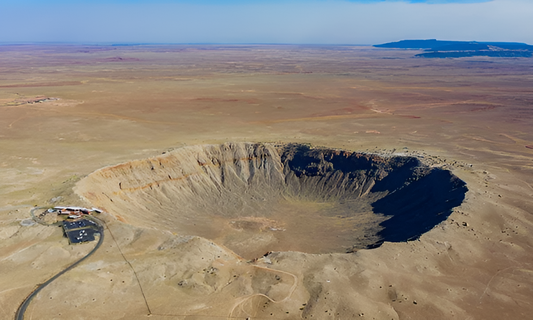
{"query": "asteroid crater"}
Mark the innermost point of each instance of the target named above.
(254, 198)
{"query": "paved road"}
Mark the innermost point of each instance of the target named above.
(22, 308)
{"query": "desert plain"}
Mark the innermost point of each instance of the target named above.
(67, 111)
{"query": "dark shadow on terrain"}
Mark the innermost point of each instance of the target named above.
(419, 206)
(397, 178)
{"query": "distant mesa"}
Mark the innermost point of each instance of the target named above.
(457, 49)
(443, 45)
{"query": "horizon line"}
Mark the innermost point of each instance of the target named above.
(118, 44)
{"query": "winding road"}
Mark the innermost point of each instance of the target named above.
(22, 308)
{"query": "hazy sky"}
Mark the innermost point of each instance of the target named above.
(264, 21)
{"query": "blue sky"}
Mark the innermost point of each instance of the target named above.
(264, 21)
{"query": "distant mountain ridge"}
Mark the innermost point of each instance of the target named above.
(456, 49)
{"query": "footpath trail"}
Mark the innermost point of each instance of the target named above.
(22, 308)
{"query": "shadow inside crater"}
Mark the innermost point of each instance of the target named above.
(419, 206)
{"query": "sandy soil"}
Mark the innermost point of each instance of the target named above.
(472, 115)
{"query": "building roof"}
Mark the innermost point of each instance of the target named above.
(82, 230)
(83, 223)
(81, 235)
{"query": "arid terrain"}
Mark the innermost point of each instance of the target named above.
(67, 111)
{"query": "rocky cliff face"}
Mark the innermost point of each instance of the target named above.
(255, 198)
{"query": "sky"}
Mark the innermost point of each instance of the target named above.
(264, 21)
